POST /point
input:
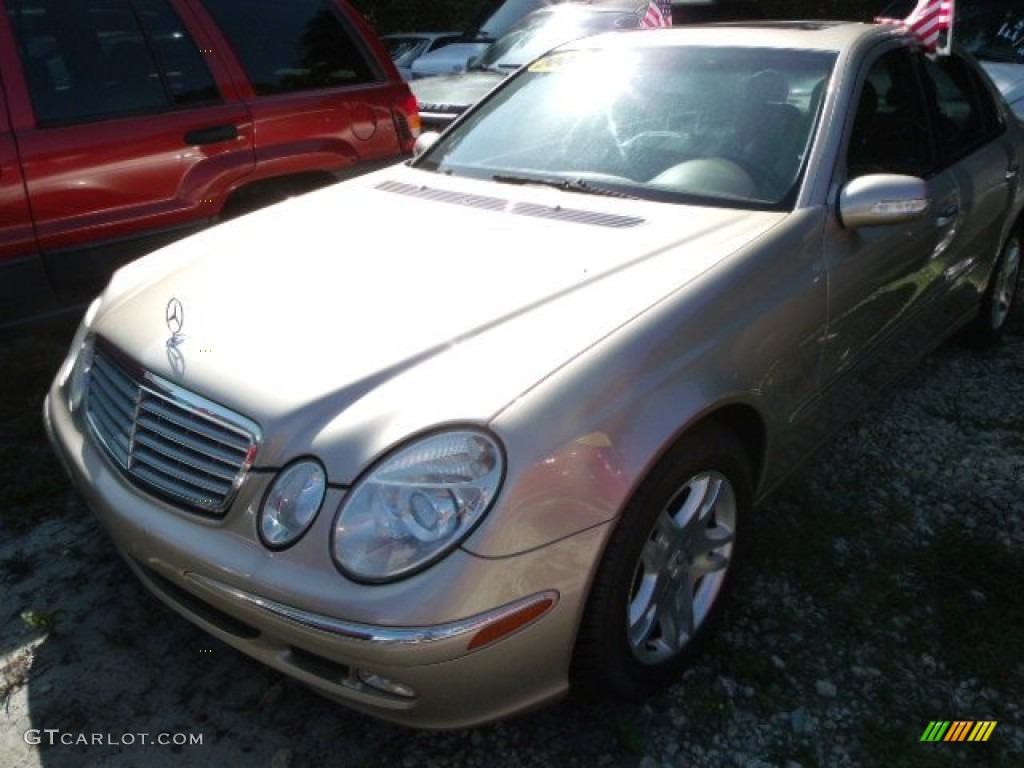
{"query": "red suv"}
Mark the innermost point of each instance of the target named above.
(127, 123)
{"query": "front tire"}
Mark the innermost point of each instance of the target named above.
(666, 570)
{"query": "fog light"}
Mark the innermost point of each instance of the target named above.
(381, 683)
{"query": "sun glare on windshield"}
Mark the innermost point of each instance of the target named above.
(585, 81)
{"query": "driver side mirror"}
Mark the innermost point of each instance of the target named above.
(881, 199)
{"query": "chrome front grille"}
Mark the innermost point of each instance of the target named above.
(166, 439)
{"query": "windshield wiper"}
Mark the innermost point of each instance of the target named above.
(566, 185)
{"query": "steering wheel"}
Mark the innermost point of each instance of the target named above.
(650, 151)
(599, 137)
(767, 179)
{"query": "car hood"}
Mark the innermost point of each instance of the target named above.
(449, 93)
(349, 318)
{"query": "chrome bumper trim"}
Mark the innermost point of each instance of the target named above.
(368, 633)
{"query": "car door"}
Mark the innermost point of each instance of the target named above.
(973, 146)
(126, 140)
(884, 280)
(23, 285)
(311, 82)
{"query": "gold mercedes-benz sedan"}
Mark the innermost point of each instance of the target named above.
(448, 439)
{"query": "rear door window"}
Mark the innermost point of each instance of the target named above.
(965, 115)
(295, 46)
(187, 78)
(90, 60)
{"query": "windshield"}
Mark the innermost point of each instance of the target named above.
(716, 126)
(542, 31)
(495, 18)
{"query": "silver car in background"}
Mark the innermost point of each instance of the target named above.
(405, 48)
(993, 32)
(445, 483)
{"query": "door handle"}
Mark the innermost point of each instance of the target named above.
(211, 135)
(1011, 172)
(948, 216)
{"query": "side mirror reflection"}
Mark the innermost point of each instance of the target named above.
(424, 142)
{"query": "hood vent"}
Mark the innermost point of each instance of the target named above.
(487, 203)
(445, 196)
(594, 218)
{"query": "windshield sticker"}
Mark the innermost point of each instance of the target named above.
(555, 61)
(1012, 33)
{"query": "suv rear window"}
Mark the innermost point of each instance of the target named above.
(294, 46)
(104, 58)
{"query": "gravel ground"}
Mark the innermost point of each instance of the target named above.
(882, 591)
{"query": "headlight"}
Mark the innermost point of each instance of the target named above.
(74, 374)
(291, 503)
(417, 505)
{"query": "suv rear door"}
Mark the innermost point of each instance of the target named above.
(28, 291)
(312, 81)
(126, 123)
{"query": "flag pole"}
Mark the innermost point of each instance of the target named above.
(945, 45)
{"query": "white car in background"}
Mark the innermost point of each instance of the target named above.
(491, 22)
(994, 32)
(450, 60)
(494, 21)
(405, 48)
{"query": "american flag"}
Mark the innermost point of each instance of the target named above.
(658, 14)
(928, 20)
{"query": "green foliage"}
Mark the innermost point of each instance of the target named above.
(387, 16)
(858, 10)
(42, 621)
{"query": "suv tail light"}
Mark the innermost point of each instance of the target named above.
(406, 115)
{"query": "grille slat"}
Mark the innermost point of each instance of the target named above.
(194, 498)
(116, 437)
(118, 408)
(193, 423)
(184, 457)
(173, 433)
(120, 422)
(111, 379)
(166, 439)
(178, 473)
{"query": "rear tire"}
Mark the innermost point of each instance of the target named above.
(667, 568)
(997, 305)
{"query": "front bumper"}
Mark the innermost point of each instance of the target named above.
(295, 612)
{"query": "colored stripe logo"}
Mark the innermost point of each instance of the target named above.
(958, 730)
